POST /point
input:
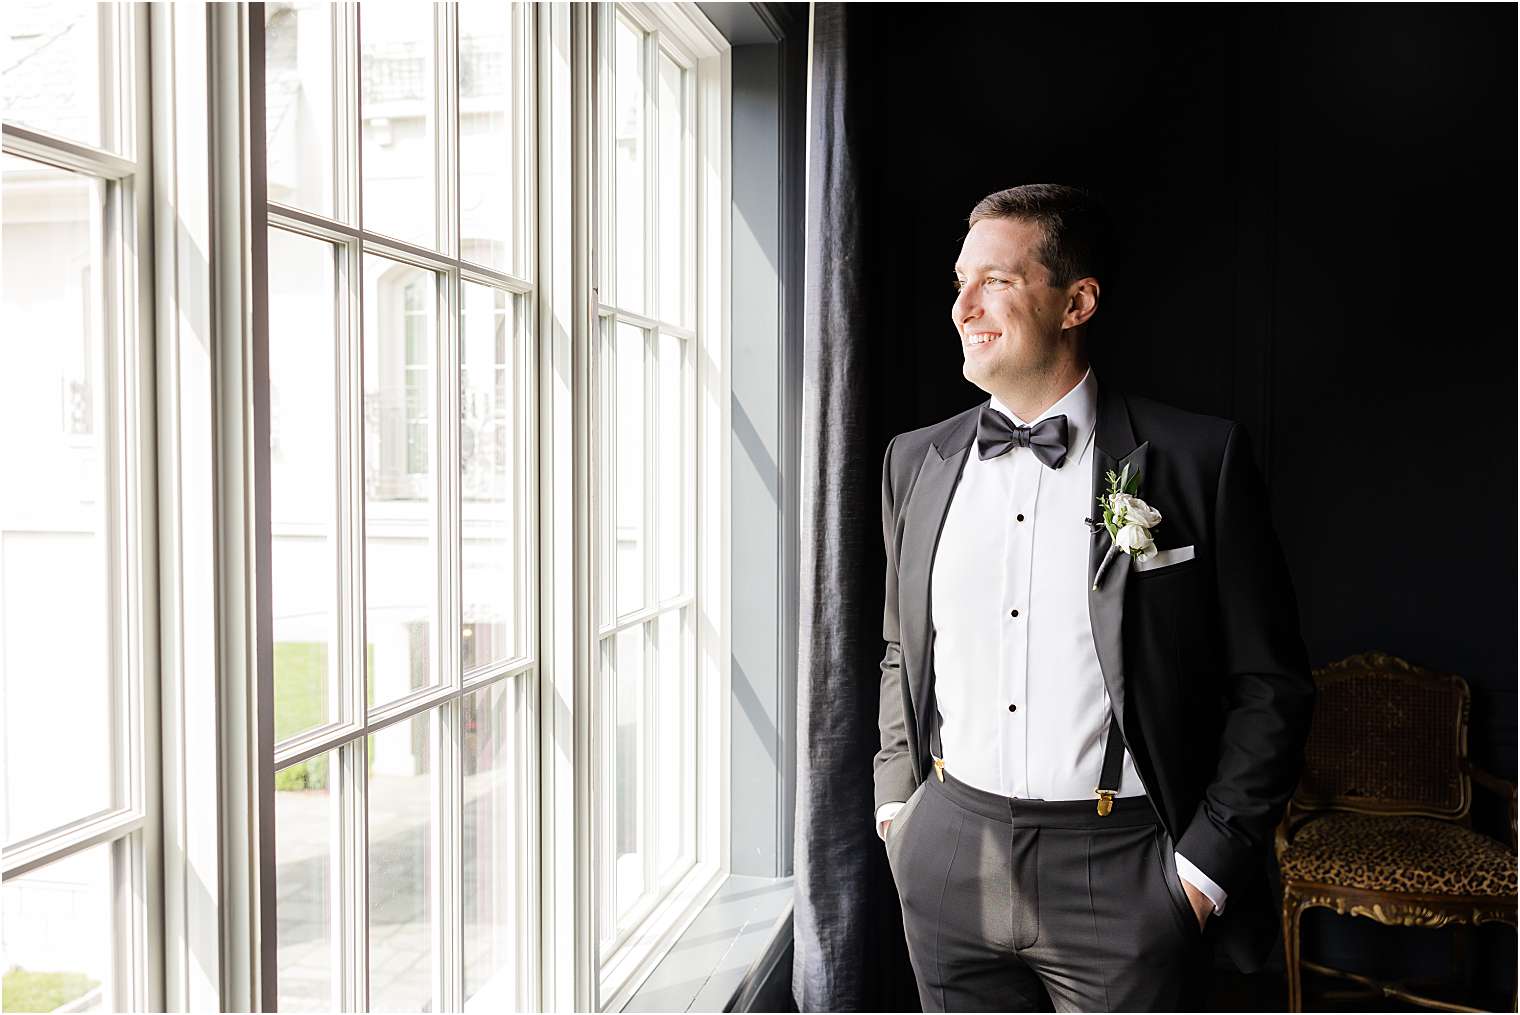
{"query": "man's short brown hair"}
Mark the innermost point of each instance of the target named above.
(1074, 224)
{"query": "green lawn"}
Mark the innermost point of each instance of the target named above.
(300, 679)
(26, 990)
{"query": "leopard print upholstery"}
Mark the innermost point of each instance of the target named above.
(1398, 854)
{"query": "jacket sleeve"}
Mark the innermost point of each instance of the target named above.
(1269, 690)
(893, 764)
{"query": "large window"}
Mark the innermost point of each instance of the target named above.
(402, 482)
(415, 492)
(79, 917)
(656, 743)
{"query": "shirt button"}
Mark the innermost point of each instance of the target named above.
(1013, 708)
(1021, 518)
(1015, 613)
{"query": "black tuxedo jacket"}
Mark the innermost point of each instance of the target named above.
(1203, 659)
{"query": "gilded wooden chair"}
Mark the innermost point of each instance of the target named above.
(1380, 825)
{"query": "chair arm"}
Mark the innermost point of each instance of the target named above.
(1501, 788)
(1280, 842)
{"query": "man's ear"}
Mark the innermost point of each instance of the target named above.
(1081, 302)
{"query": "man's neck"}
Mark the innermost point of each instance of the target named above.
(1030, 399)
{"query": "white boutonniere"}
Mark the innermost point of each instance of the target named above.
(1128, 519)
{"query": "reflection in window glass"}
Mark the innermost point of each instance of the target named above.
(675, 178)
(674, 712)
(298, 104)
(487, 446)
(629, 160)
(400, 867)
(59, 69)
(488, 156)
(303, 460)
(396, 112)
(305, 819)
(57, 608)
(672, 499)
(629, 777)
(495, 803)
(628, 466)
(400, 500)
(57, 934)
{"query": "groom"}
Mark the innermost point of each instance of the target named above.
(1081, 762)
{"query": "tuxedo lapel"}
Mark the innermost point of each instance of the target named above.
(1114, 444)
(927, 508)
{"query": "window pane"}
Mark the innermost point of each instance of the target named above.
(488, 143)
(671, 488)
(629, 777)
(298, 96)
(397, 114)
(400, 505)
(628, 466)
(60, 69)
(57, 609)
(303, 459)
(400, 866)
(306, 819)
(496, 847)
(487, 442)
(59, 935)
(675, 185)
(674, 716)
(628, 161)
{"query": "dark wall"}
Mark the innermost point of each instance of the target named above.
(1317, 215)
(1317, 207)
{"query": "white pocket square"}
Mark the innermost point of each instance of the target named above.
(1165, 558)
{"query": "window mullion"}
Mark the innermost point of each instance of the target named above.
(351, 836)
(448, 837)
(353, 668)
(604, 268)
(347, 148)
(649, 123)
(353, 840)
(448, 970)
(647, 771)
(446, 119)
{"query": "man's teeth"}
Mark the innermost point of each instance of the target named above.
(981, 339)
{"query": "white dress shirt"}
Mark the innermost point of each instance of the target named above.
(1024, 710)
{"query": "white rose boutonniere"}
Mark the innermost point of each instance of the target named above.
(1128, 519)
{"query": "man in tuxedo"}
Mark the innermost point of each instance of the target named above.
(1079, 771)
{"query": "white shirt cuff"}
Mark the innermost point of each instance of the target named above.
(1201, 881)
(886, 812)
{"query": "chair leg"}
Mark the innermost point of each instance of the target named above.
(1292, 910)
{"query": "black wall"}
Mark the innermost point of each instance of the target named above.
(1317, 207)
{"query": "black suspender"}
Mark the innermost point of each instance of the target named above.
(1113, 767)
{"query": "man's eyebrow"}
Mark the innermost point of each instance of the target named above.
(1005, 269)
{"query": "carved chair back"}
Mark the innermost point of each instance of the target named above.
(1388, 738)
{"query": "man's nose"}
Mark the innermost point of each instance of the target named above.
(964, 308)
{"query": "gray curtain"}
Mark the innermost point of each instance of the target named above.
(849, 951)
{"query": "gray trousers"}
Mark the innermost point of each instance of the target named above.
(1025, 905)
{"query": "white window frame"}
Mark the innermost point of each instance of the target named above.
(347, 733)
(203, 937)
(126, 429)
(698, 44)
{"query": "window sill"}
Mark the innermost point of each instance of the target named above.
(727, 953)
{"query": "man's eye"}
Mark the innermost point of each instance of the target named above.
(990, 280)
(959, 285)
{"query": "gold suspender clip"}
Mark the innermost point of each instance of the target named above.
(1105, 801)
(939, 768)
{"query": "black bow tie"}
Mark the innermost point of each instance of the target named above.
(995, 434)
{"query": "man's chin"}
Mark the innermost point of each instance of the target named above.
(980, 376)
